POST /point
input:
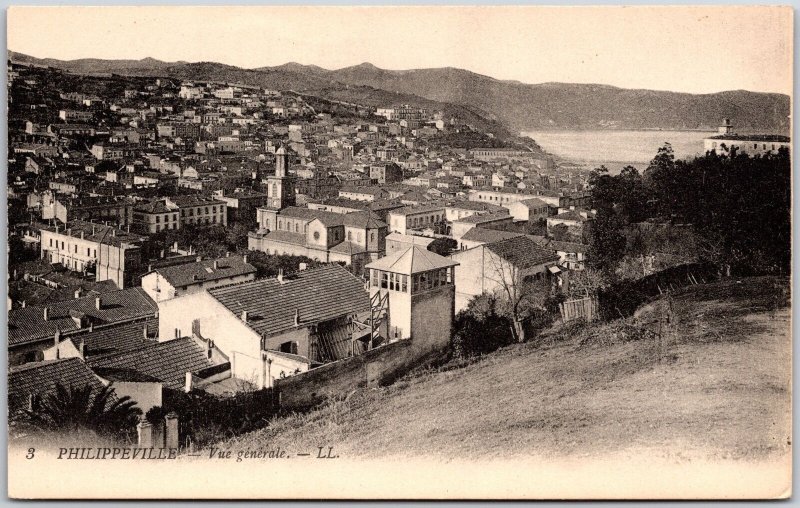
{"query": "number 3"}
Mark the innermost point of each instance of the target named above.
(31, 451)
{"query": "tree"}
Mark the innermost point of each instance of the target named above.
(518, 294)
(443, 246)
(480, 328)
(268, 265)
(83, 408)
(586, 282)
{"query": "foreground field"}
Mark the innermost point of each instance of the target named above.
(715, 385)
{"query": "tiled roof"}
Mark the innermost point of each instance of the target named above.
(364, 220)
(108, 235)
(167, 362)
(415, 259)
(286, 237)
(186, 201)
(28, 324)
(481, 218)
(329, 219)
(411, 210)
(155, 206)
(522, 252)
(486, 235)
(570, 215)
(40, 378)
(318, 295)
(117, 339)
(534, 203)
(347, 248)
(474, 205)
(193, 273)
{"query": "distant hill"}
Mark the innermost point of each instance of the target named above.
(516, 105)
(578, 106)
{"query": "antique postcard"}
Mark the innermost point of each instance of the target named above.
(384, 252)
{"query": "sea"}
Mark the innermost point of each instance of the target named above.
(616, 149)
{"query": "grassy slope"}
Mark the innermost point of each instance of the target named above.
(716, 388)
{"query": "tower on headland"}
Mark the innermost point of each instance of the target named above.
(726, 127)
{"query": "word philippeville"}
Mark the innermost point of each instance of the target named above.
(117, 453)
(266, 453)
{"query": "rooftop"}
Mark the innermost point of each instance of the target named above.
(522, 252)
(167, 362)
(28, 324)
(100, 233)
(415, 259)
(206, 270)
(319, 294)
(41, 378)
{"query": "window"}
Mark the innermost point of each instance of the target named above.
(384, 280)
(206, 210)
(158, 219)
(404, 284)
(214, 209)
(296, 227)
(374, 274)
(76, 248)
(51, 242)
(88, 251)
(175, 217)
(316, 235)
(158, 228)
(94, 253)
(349, 236)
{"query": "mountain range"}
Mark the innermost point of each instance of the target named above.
(473, 97)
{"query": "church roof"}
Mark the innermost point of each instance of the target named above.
(413, 260)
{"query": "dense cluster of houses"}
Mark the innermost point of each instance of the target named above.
(97, 171)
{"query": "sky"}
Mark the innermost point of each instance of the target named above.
(688, 49)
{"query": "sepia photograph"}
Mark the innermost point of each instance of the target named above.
(399, 252)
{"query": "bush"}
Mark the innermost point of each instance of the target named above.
(480, 329)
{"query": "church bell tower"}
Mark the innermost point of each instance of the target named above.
(281, 186)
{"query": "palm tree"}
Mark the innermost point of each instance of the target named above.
(75, 409)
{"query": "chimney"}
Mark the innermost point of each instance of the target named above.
(244, 258)
(91, 326)
(175, 247)
(188, 385)
(303, 266)
(81, 234)
(77, 293)
(23, 304)
(280, 275)
(82, 348)
(216, 264)
(244, 316)
(227, 253)
(98, 303)
(162, 254)
(93, 229)
(297, 317)
(144, 332)
(113, 232)
(199, 258)
(128, 228)
(46, 313)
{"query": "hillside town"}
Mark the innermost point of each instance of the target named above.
(147, 216)
(178, 244)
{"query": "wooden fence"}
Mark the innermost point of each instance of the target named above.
(585, 308)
